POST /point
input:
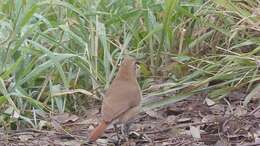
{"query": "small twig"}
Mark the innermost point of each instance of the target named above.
(183, 31)
(181, 126)
(158, 131)
(229, 105)
(253, 144)
(196, 124)
(47, 79)
(255, 110)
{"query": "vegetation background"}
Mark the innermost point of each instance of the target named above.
(60, 55)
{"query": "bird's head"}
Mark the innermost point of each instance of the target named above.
(129, 66)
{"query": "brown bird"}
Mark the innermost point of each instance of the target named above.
(122, 99)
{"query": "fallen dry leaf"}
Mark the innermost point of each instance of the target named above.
(184, 120)
(25, 138)
(171, 119)
(209, 102)
(65, 118)
(240, 111)
(102, 142)
(153, 114)
(195, 131)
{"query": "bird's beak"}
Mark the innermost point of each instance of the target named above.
(119, 64)
(138, 69)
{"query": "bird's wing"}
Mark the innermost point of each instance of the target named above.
(119, 98)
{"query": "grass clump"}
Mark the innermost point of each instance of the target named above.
(57, 55)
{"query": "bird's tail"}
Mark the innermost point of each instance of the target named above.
(98, 131)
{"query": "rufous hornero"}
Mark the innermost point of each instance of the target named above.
(122, 99)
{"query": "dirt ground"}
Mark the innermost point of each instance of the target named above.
(191, 122)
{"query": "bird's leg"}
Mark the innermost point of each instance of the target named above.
(117, 131)
(125, 130)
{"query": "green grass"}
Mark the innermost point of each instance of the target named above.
(58, 56)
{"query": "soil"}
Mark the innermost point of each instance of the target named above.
(197, 121)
